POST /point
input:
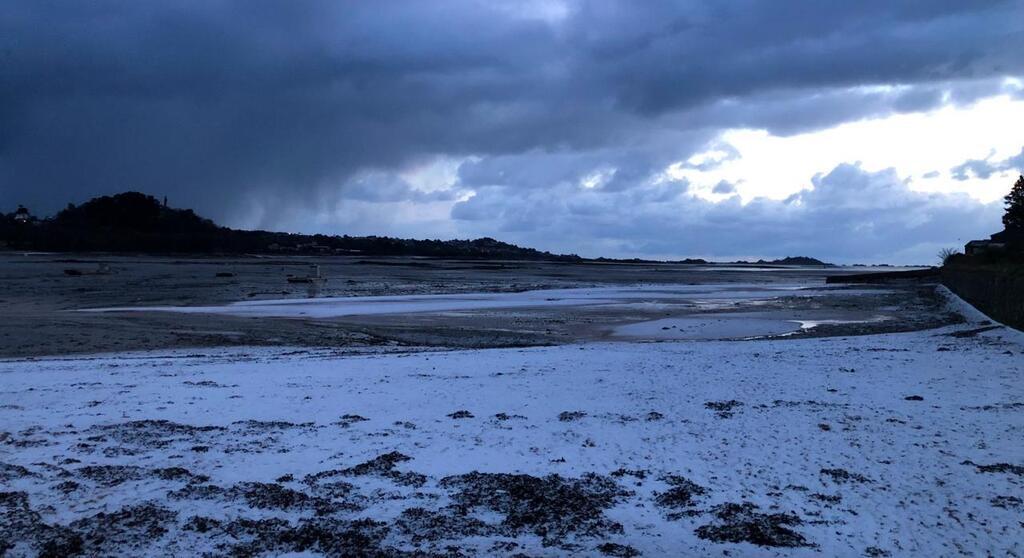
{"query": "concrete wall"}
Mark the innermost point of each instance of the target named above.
(996, 291)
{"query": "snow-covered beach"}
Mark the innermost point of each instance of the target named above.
(881, 445)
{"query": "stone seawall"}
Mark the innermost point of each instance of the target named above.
(998, 292)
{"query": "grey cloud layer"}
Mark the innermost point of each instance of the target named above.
(984, 168)
(260, 107)
(850, 215)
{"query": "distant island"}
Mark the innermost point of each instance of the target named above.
(136, 222)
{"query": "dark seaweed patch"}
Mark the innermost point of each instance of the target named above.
(997, 468)
(9, 472)
(827, 498)
(679, 496)
(622, 472)
(738, 523)
(618, 550)
(723, 409)
(384, 466)
(267, 425)
(1007, 502)
(348, 420)
(126, 531)
(260, 495)
(152, 433)
(424, 525)
(130, 528)
(550, 507)
(112, 475)
(842, 476)
(330, 537)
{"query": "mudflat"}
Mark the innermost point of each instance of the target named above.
(47, 300)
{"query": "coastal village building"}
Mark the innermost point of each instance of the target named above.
(998, 242)
(979, 247)
(22, 215)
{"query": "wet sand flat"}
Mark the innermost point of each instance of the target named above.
(44, 305)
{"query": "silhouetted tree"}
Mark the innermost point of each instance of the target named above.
(1014, 218)
(946, 254)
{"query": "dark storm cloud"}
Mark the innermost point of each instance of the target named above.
(794, 111)
(675, 54)
(258, 107)
(212, 102)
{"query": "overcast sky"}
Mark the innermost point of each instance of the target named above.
(871, 131)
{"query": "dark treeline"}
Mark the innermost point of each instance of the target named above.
(135, 222)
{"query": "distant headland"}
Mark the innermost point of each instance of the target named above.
(137, 222)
